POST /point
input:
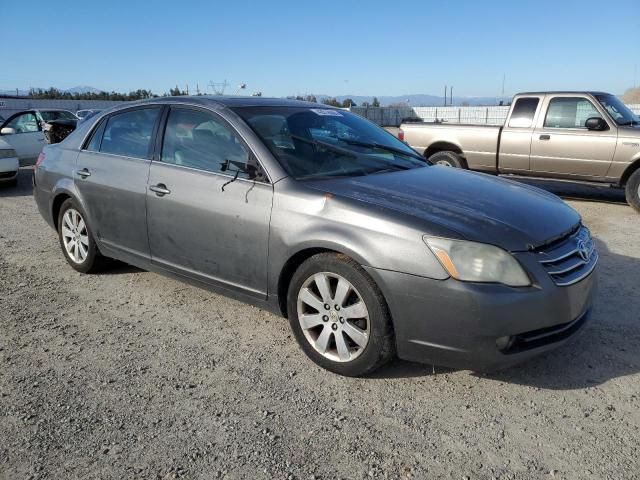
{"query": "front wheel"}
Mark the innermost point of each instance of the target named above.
(77, 242)
(339, 316)
(632, 190)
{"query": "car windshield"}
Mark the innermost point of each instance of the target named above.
(618, 110)
(49, 115)
(312, 143)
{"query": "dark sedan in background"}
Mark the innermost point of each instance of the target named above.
(323, 217)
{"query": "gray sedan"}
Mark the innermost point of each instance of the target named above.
(323, 217)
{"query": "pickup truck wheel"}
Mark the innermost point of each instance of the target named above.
(448, 159)
(632, 190)
(339, 316)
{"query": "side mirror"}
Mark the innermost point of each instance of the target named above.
(8, 131)
(596, 123)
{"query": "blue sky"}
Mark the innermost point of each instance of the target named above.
(330, 47)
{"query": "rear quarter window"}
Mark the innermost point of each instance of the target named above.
(523, 112)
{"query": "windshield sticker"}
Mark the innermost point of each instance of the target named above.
(326, 112)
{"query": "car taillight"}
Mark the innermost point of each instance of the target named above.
(400, 135)
(40, 159)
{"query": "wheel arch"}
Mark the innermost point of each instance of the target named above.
(296, 259)
(630, 170)
(442, 146)
(56, 205)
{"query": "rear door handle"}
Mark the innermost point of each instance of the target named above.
(84, 173)
(545, 137)
(160, 189)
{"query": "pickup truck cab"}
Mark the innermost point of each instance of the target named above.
(575, 136)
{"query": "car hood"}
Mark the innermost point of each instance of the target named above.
(479, 207)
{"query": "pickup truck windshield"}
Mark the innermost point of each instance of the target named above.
(618, 110)
(320, 142)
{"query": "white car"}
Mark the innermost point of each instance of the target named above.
(9, 164)
(23, 131)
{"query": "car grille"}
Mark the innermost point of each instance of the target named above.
(571, 259)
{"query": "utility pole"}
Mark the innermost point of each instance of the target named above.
(451, 96)
(504, 76)
(445, 95)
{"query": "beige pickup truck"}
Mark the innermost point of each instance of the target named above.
(575, 136)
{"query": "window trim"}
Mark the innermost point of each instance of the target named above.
(581, 129)
(162, 129)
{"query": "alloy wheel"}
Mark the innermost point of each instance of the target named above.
(333, 316)
(75, 237)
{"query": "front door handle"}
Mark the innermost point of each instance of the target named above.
(160, 189)
(545, 137)
(84, 173)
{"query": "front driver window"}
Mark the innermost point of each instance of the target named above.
(564, 112)
(196, 139)
(25, 123)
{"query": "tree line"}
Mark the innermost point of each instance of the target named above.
(141, 94)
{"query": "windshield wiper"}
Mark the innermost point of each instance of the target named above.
(328, 146)
(382, 147)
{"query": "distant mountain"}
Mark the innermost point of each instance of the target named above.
(416, 100)
(83, 89)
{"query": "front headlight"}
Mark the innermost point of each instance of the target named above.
(7, 153)
(478, 262)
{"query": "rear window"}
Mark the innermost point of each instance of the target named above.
(523, 112)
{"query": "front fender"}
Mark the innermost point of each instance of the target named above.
(373, 239)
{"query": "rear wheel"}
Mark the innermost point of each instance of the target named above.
(77, 242)
(448, 159)
(632, 190)
(338, 315)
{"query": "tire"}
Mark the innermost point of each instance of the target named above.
(73, 229)
(354, 345)
(632, 190)
(447, 158)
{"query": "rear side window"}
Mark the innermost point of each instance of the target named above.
(566, 112)
(96, 138)
(129, 133)
(523, 112)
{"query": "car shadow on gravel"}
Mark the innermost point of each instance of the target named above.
(608, 346)
(24, 187)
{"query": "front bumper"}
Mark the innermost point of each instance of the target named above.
(481, 327)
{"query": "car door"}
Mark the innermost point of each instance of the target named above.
(201, 222)
(111, 176)
(561, 144)
(27, 138)
(515, 137)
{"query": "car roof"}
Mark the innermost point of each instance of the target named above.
(565, 92)
(232, 101)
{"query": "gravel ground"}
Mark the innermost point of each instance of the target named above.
(132, 375)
